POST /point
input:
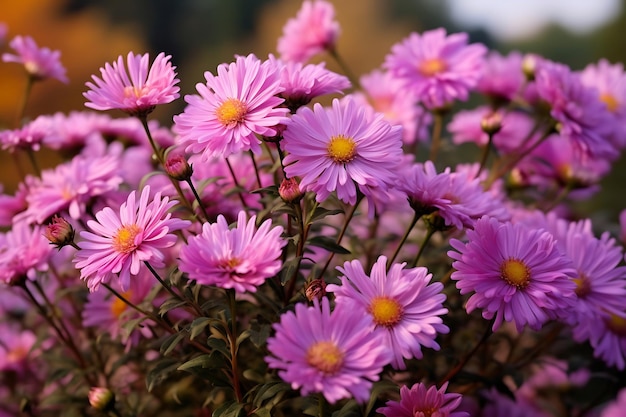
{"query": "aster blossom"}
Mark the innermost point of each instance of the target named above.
(333, 353)
(119, 242)
(136, 88)
(232, 108)
(516, 274)
(23, 251)
(311, 32)
(40, 63)
(402, 303)
(420, 401)
(438, 68)
(241, 258)
(338, 148)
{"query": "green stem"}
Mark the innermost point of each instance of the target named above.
(416, 217)
(345, 68)
(197, 197)
(430, 231)
(236, 182)
(256, 170)
(485, 155)
(436, 135)
(233, 344)
(21, 109)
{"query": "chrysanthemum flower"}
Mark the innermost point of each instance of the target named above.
(439, 69)
(136, 88)
(120, 242)
(40, 63)
(335, 354)
(331, 149)
(23, 251)
(516, 274)
(402, 303)
(420, 401)
(232, 108)
(502, 76)
(607, 337)
(312, 31)
(30, 136)
(241, 258)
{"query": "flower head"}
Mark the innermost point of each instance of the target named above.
(338, 148)
(232, 108)
(40, 63)
(241, 258)
(333, 353)
(120, 242)
(616, 407)
(437, 68)
(516, 274)
(420, 401)
(135, 88)
(402, 303)
(23, 251)
(312, 31)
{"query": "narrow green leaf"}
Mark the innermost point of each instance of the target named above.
(328, 244)
(197, 326)
(171, 342)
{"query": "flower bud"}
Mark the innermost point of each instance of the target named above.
(178, 168)
(529, 66)
(315, 290)
(101, 398)
(59, 232)
(491, 123)
(289, 190)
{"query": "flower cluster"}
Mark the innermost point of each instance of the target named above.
(268, 254)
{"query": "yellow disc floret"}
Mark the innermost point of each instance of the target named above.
(341, 149)
(515, 273)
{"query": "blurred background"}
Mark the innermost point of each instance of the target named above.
(200, 34)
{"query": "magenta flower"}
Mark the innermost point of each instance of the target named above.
(232, 108)
(607, 337)
(23, 251)
(402, 303)
(502, 77)
(420, 401)
(241, 258)
(40, 63)
(335, 354)
(135, 89)
(30, 136)
(516, 274)
(311, 32)
(616, 408)
(331, 149)
(16, 350)
(120, 242)
(439, 69)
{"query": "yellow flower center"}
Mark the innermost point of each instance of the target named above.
(431, 67)
(135, 92)
(428, 412)
(617, 324)
(124, 239)
(325, 356)
(611, 102)
(231, 112)
(583, 286)
(386, 311)
(341, 149)
(515, 273)
(17, 354)
(230, 263)
(118, 306)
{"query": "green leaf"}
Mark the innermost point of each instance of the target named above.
(288, 269)
(350, 409)
(230, 409)
(197, 326)
(243, 336)
(161, 371)
(203, 361)
(171, 342)
(218, 345)
(268, 391)
(259, 333)
(328, 244)
(378, 388)
(171, 304)
(321, 212)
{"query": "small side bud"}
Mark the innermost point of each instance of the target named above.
(59, 232)
(101, 398)
(529, 66)
(289, 190)
(315, 290)
(491, 123)
(178, 168)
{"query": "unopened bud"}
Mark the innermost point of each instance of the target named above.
(178, 168)
(529, 66)
(59, 232)
(315, 290)
(101, 398)
(289, 190)
(491, 123)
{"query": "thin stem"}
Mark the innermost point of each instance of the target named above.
(304, 231)
(345, 68)
(485, 155)
(236, 182)
(430, 231)
(281, 156)
(436, 135)
(256, 170)
(21, 109)
(416, 217)
(197, 197)
(163, 283)
(233, 343)
(33, 161)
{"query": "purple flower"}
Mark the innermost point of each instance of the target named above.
(241, 258)
(502, 76)
(420, 401)
(616, 408)
(30, 136)
(437, 68)
(23, 251)
(516, 274)
(232, 108)
(120, 242)
(402, 303)
(136, 88)
(335, 354)
(40, 63)
(607, 337)
(331, 149)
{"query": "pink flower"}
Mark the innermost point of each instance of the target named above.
(40, 63)
(403, 305)
(616, 408)
(30, 136)
(312, 31)
(23, 251)
(241, 258)
(16, 347)
(120, 242)
(332, 149)
(232, 108)
(502, 77)
(136, 89)
(607, 337)
(421, 402)
(335, 354)
(516, 274)
(437, 68)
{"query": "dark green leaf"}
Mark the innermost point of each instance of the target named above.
(161, 371)
(198, 326)
(321, 212)
(328, 244)
(171, 342)
(269, 390)
(288, 269)
(230, 409)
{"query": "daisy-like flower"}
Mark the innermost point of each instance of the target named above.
(437, 68)
(607, 337)
(23, 251)
(232, 108)
(241, 258)
(30, 136)
(120, 242)
(502, 77)
(332, 149)
(16, 347)
(420, 401)
(616, 408)
(311, 32)
(136, 88)
(517, 274)
(40, 63)
(402, 303)
(333, 353)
